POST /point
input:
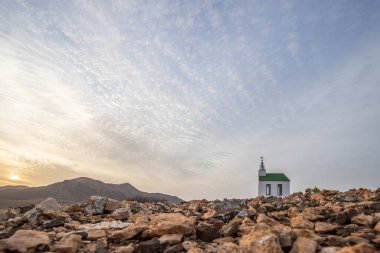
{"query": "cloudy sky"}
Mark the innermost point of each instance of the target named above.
(183, 97)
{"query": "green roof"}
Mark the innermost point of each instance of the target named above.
(274, 177)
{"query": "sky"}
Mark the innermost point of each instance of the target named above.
(183, 97)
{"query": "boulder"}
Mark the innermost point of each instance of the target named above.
(149, 246)
(112, 205)
(283, 234)
(359, 248)
(296, 233)
(262, 218)
(96, 234)
(206, 232)
(68, 244)
(304, 245)
(261, 240)
(121, 213)
(124, 249)
(127, 233)
(170, 223)
(377, 227)
(300, 221)
(231, 228)
(324, 227)
(362, 219)
(329, 250)
(48, 204)
(95, 205)
(178, 248)
(230, 248)
(24, 241)
(170, 239)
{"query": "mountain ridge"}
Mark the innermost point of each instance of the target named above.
(76, 190)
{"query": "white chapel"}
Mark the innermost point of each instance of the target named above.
(272, 184)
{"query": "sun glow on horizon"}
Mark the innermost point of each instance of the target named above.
(14, 177)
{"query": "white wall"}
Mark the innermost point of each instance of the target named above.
(285, 188)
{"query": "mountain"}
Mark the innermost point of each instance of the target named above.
(76, 190)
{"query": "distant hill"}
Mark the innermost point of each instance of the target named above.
(76, 190)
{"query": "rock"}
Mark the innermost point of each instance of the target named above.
(95, 205)
(283, 234)
(261, 240)
(246, 226)
(170, 223)
(300, 221)
(95, 234)
(243, 213)
(351, 240)
(363, 220)
(128, 233)
(334, 240)
(53, 223)
(304, 245)
(121, 213)
(296, 233)
(105, 225)
(24, 209)
(324, 227)
(231, 228)
(24, 241)
(206, 232)
(342, 218)
(195, 250)
(230, 248)
(124, 249)
(377, 227)
(6, 214)
(112, 205)
(68, 244)
(209, 214)
(31, 216)
(48, 204)
(187, 245)
(329, 250)
(171, 239)
(174, 249)
(224, 240)
(150, 246)
(359, 248)
(262, 218)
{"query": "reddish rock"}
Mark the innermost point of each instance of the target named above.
(112, 205)
(95, 234)
(170, 223)
(362, 219)
(171, 239)
(324, 227)
(262, 218)
(300, 221)
(230, 248)
(261, 240)
(304, 245)
(128, 233)
(359, 248)
(231, 228)
(68, 244)
(377, 227)
(24, 241)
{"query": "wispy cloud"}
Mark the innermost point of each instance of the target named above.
(184, 97)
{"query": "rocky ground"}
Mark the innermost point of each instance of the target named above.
(325, 222)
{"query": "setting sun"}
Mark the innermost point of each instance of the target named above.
(14, 177)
